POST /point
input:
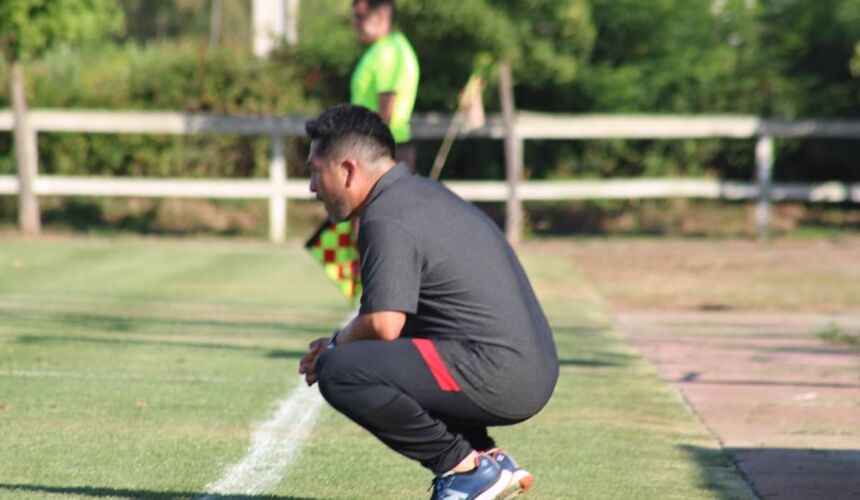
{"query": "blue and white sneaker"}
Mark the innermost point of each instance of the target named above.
(521, 479)
(485, 482)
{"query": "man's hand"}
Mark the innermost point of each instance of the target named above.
(382, 325)
(307, 366)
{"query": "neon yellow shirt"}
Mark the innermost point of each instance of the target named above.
(389, 65)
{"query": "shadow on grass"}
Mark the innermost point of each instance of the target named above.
(285, 353)
(693, 378)
(827, 351)
(579, 330)
(599, 359)
(719, 473)
(94, 491)
(779, 472)
(132, 324)
(590, 341)
(588, 363)
(121, 324)
(269, 353)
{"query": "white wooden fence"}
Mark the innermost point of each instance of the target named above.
(526, 125)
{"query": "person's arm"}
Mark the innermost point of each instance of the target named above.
(382, 325)
(386, 77)
(391, 274)
(386, 102)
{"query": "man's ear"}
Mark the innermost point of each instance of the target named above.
(351, 167)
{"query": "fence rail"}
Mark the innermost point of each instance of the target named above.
(525, 126)
(487, 191)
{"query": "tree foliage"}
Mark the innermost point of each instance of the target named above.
(773, 58)
(30, 27)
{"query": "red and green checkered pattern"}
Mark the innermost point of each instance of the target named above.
(334, 246)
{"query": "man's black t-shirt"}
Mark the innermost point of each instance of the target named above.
(426, 252)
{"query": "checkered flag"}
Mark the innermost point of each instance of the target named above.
(335, 247)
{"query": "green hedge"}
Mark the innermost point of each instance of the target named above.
(171, 77)
(775, 59)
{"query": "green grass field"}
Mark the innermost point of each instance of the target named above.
(138, 369)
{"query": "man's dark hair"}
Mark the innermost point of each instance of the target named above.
(349, 126)
(373, 5)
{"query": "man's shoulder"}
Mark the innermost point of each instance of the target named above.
(394, 45)
(415, 187)
(401, 39)
(404, 47)
(420, 202)
(401, 192)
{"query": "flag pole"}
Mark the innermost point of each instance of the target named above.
(470, 94)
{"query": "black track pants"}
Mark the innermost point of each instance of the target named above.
(393, 391)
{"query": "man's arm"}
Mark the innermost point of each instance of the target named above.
(382, 325)
(386, 102)
(391, 274)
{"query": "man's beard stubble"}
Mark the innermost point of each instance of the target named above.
(337, 211)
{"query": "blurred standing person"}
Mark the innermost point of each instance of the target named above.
(386, 78)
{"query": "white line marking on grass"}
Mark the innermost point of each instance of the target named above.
(275, 444)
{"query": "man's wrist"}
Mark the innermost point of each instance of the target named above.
(332, 341)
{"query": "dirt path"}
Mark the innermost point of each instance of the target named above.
(732, 324)
(783, 402)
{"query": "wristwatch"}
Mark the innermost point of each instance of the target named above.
(331, 340)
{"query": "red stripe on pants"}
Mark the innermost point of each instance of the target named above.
(437, 367)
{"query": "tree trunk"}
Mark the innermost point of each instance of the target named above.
(26, 155)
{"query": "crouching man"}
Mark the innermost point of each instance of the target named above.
(450, 338)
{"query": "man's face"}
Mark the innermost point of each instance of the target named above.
(369, 24)
(328, 181)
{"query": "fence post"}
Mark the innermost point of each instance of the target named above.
(268, 20)
(292, 22)
(278, 200)
(764, 177)
(214, 24)
(26, 156)
(513, 156)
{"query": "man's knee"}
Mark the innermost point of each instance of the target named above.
(332, 370)
(323, 373)
(349, 383)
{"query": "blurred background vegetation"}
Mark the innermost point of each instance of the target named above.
(773, 58)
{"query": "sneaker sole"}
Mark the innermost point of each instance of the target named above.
(501, 484)
(520, 483)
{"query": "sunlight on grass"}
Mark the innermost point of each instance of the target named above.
(138, 368)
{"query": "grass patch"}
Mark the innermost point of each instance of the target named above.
(136, 369)
(821, 275)
(835, 334)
